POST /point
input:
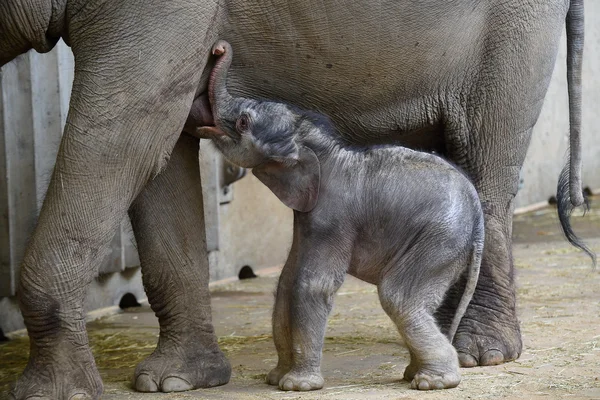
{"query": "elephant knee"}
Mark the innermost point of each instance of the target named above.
(52, 282)
(40, 309)
(315, 294)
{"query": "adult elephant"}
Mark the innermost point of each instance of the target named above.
(466, 78)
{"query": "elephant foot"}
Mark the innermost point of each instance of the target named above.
(487, 343)
(276, 374)
(411, 371)
(71, 376)
(176, 368)
(431, 380)
(301, 381)
(433, 375)
(484, 350)
(488, 333)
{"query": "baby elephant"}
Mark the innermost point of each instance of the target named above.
(403, 220)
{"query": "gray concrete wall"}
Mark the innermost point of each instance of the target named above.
(547, 152)
(256, 229)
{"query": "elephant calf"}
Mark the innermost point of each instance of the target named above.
(403, 220)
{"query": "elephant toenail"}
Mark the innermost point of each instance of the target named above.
(288, 385)
(175, 384)
(144, 383)
(437, 385)
(79, 396)
(492, 357)
(467, 360)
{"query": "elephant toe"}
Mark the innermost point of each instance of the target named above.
(492, 357)
(80, 396)
(144, 383)
(429, 380)
(276, 374)
(301, 381)
(466, 360)
(176, 384)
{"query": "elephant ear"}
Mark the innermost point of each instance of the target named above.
(296, 185)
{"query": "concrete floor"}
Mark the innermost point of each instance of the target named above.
(558, 305)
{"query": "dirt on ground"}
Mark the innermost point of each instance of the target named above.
(364, 358)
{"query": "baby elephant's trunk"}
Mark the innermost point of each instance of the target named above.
(219, 97)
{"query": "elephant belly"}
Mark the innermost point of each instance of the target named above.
(392, 68)
(377, 72)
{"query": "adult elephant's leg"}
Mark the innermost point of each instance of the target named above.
(126, 112)
(97, 175)
(489, 332)
(168, 223)
(488, 133)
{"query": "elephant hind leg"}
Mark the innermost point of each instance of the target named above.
(487, 134)
(489, 333)
(409, 296)
(492, 155)
(168, 223)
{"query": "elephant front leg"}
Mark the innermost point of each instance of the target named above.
(281, 321)
(168, 223)
(318, 275)
(126, 114)
(96, 177)
(54, 278)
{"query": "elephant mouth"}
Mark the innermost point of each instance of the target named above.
(200, 122)
(208, 132)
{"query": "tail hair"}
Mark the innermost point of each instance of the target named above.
(565, 209)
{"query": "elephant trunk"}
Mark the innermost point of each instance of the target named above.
(38, 24)
(219, 97)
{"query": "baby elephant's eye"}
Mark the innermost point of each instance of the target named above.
(242, 123)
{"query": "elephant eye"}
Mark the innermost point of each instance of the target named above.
(242, 123)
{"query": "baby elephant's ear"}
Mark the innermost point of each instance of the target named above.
(297, 185)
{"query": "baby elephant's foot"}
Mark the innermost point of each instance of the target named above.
(428, 380)
(276, 374)
(301, 381)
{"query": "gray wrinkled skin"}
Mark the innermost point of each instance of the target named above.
(403, 220)
(465, 78)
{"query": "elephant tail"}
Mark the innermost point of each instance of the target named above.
(565, 208)
(569, 193)
(472, 275)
